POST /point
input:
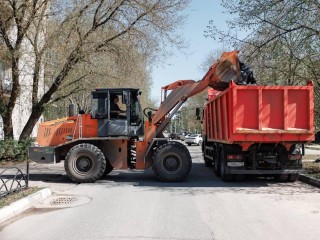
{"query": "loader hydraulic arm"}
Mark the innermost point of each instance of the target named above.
(218, 77)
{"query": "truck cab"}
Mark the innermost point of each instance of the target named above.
(118, 112)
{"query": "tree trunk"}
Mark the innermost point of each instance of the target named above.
(33, 119)
(7, 118)
(37, 109)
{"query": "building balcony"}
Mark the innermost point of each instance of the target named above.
(6, 86)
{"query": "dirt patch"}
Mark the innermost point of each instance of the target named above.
(7, 200)
(311, 169)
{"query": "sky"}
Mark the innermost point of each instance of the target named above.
(185, 64)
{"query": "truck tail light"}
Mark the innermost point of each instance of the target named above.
(234, 157)
(295, 157)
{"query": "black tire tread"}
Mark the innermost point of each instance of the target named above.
(281, 177)
(97, 152)
(293, 177)
(224, 177)
(207, 162)
(182, 175)
(108, 169)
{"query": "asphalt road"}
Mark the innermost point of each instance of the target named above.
(133, 205)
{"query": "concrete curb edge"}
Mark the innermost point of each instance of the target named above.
(23, 204)
(309, 180)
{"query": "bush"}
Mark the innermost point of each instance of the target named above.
(13, 150)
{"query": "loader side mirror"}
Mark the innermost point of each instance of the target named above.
(72, 110)
(149, 116)
(125, 98)
(198, 113)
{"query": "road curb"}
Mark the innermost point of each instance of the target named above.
(23, 204)
(309, 180)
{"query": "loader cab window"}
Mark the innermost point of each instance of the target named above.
(136, 113)
(118, 107)
(99, 105)
(107, 105)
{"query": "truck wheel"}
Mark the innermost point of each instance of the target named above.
(281, 177)
(293, 177)
(224, 177)
(216, 161)
(207, 162)
(239, 177)
(85, 163)
(172, 162)
(189, 144)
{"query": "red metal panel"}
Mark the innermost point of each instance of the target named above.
(298, 112)
(272, 109)
(247, 111)
(246, 114)
(260, 107)
(215, 116)
(225, 118)
(285, 112)
(311, 107)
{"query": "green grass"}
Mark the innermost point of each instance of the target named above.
(7, 200)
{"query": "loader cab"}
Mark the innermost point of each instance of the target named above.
(118, 112)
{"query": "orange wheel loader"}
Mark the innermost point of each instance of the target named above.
(93, 144)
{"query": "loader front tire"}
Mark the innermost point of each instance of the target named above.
(172, 162)
(85, 163)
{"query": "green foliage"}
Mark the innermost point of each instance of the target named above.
(14, 150)
(280, 40)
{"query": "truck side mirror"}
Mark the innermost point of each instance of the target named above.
(198, 113)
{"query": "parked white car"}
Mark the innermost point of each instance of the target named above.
(193, 139)
(183, 136)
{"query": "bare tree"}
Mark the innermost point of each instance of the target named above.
(281, 40)
(81, 30)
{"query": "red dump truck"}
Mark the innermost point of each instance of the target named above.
(257, 130)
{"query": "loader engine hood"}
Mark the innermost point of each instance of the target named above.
(59, 131)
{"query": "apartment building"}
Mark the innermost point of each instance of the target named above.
(22, 109)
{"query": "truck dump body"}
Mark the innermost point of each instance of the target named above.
(256, 129)
(262, 114)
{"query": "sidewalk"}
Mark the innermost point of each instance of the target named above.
(50, 177)
(313, 146)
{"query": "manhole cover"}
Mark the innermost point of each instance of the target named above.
(62, 200)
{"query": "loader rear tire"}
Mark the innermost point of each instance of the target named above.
(108, 169)
(85, 163)
(172, 162)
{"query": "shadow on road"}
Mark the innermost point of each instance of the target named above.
(201, 180)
